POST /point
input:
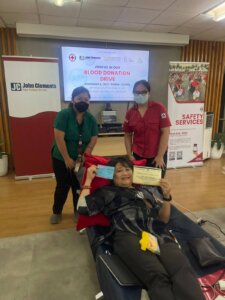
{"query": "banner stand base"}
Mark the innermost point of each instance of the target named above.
(181, 167)
(30, 177)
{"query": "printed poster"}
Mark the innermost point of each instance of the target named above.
(186, 97)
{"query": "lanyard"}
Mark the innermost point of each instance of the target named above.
(80, 142)
(79, 149)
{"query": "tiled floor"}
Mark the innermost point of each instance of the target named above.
(216, 216)
(59, 265)
(47, 266)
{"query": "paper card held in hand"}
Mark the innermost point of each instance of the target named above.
(105, 171)
(147, 175)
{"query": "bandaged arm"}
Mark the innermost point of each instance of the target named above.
(82, 204)
(85, 191)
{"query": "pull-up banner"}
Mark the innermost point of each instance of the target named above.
(33, 100)
(186, 97)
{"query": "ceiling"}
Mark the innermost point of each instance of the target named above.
(157, 16)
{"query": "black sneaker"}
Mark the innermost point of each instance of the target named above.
(55, 218)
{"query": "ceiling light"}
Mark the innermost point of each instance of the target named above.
(63, 2)
(217, 13)
(59, 2)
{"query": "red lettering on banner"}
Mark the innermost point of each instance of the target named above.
(106, 72)
(116, 73)
(189, 122)
(107, 78)
(192, 116)
(92, 72)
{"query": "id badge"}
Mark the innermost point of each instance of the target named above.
(78, 165)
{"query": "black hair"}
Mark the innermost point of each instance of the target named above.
(79, 90)
(145, 83)
(124, 161)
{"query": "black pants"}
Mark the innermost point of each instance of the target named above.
(167, 276)
(150, 163)
(65, 179)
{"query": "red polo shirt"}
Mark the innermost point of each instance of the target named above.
(146, 130)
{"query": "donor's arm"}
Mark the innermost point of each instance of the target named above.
(164, 212)
(85, 190)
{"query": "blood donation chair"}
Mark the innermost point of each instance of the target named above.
(116, 281)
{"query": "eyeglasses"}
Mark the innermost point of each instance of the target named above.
(140, 92)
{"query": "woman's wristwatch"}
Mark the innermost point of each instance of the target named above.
(167, 199)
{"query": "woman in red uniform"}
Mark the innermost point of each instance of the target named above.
(147, 128)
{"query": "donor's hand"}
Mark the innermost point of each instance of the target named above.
(91, 172)
(166, 187)
(70, 163)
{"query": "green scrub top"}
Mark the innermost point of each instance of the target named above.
(66, 121)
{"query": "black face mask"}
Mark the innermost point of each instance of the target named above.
(81, 106)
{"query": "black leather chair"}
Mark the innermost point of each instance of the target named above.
(115, 279)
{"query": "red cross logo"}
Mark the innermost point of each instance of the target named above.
(72, 57)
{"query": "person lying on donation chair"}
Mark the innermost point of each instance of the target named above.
(151, 254)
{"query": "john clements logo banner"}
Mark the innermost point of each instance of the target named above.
(32, 85)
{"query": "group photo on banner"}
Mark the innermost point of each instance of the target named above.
(186, 97)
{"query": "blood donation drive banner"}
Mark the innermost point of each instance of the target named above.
(186, 97)
(109, 74)
(33, 100)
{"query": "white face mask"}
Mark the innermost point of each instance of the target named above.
(141, 99)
